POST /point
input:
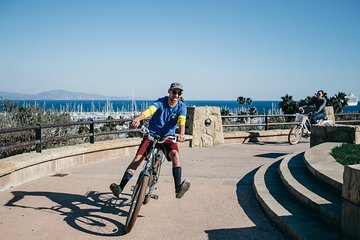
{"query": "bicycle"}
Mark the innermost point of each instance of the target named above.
(301, 129)
(148, 178)
(303, 126)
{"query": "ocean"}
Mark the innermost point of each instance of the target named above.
(263, 107)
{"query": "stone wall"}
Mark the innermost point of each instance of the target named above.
(329, 111)
(279, 135)
(335, 133)
(351, 202)
(205, 126)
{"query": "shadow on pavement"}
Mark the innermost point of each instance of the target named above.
(270, 155)
(85, 213)
(263, 228)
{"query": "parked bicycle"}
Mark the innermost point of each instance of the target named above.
(303, 126)
(148, 178)
(301, 129)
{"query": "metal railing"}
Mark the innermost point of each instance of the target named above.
(39, 140)
(266, 123)
(340, 118)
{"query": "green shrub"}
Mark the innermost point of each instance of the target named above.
(347, 154)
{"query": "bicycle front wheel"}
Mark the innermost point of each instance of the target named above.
(138, 198)
(295, 134)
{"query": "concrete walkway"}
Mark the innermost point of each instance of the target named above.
(77, 204)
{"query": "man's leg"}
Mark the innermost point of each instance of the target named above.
(130, 171)
(180, 187)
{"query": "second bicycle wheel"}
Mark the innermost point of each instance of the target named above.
(139, 195)
(295, 134)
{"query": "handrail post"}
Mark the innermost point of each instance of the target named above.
(266, 122)
(38, 147)
(92, 137)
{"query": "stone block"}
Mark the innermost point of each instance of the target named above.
(351, 203)
(351, 185)
(205, 126)
(350, 222)
(329, 111)
(335, 133)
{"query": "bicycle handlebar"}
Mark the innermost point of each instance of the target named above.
(145, 130)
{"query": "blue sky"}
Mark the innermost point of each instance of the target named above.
(261, 49)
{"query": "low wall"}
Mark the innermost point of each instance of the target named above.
(26, 167)
(351, 202)
(334, 133)
(257, 136)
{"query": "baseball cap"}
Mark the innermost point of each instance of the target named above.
(176, 85)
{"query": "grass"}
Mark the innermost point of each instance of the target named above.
(347, 154)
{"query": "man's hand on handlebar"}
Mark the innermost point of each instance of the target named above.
(136, 122)
(181, 138)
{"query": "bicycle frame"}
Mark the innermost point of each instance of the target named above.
(147, 180)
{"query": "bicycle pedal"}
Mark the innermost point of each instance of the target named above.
(154, 196)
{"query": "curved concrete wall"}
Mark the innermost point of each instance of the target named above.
(25, 167)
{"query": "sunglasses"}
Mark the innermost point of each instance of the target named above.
(176, 92)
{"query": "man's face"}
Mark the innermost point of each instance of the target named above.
(174, 95)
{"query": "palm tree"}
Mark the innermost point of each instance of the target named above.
(248, 101)
(241, 100)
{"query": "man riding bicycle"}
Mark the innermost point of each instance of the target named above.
(166, 114)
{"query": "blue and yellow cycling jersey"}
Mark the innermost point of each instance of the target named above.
(165, 118)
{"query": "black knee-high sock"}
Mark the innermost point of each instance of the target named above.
(177, 177)
(125, 179)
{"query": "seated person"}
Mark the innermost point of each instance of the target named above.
(320, 104)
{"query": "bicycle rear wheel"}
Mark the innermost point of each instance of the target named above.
(295, 134)
(139, 195)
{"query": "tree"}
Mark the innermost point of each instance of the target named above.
(339, 101)
(241, 100)
(249, 110)
(249, 101)
(288, 105)
(307, 101)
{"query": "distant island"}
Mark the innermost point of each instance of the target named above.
(60, 95)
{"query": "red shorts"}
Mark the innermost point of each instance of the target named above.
(166, 147)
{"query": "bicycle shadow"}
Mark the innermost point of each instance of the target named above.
(92, 213)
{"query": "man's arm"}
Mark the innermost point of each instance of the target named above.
(181, 123)
(145, 114)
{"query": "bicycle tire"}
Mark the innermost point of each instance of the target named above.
(139, 194)
(295, 134)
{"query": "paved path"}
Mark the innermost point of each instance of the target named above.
(77, 204)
